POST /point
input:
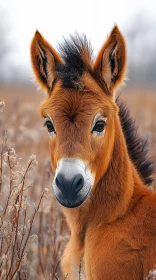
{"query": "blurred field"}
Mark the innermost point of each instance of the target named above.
(142, 105)
(23, 122)
(26, 134)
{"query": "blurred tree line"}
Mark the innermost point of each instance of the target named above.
(10, 71)
(141, 44)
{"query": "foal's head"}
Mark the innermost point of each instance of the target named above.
(79, 111)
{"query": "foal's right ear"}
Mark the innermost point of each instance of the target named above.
(44, 59)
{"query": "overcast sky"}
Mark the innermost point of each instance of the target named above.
(56, 18)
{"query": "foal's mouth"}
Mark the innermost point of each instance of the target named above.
(71, 203)
(72, 182)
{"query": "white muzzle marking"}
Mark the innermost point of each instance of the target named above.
(69, 168)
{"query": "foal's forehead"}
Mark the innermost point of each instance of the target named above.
(69, 102)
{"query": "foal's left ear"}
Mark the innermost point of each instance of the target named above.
(110, 63)
(44, 59)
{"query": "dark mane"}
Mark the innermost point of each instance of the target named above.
(77, 54)
(136, 145)
(71, 51)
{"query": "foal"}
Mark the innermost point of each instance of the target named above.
(100, 166)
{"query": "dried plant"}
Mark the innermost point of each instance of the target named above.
(15, 221)
(27, 228)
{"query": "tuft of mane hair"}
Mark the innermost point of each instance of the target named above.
(136, 145)
(73, 52)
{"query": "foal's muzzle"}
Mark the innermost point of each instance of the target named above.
(72, 182)
(69, 188)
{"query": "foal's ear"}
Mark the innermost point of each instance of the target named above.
(44, 59)
(111, 60)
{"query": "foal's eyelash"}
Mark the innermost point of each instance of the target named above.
(46, 122)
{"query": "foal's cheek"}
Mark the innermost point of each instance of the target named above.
(96, 164)
(102, 147)
(53, 156)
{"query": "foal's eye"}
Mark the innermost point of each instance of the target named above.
(99, 126)
(49, 126)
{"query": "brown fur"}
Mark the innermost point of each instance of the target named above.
(114, 230)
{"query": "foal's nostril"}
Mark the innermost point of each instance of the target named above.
(78, 183)
(60, 182)
(69, 187)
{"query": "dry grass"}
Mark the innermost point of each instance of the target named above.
(33, 232)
